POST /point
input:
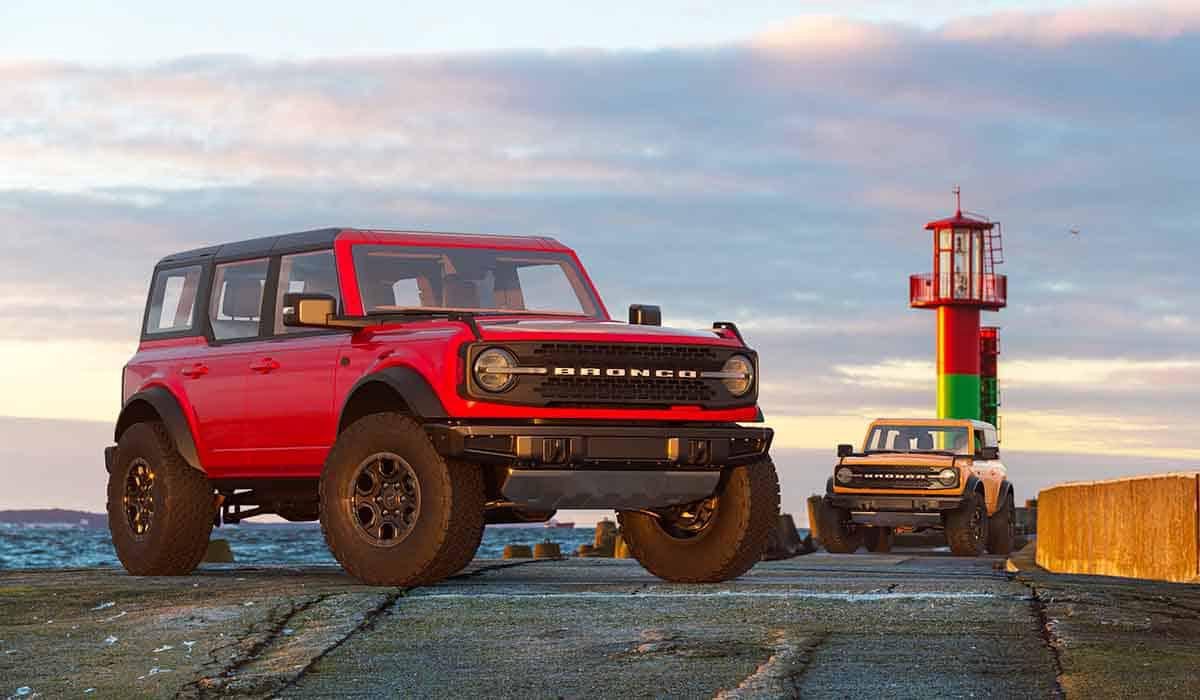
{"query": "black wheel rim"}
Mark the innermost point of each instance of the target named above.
(139, 497)
(688, 521)
(385, 499)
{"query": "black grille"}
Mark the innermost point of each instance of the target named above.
(618, 355)
(604, 389)
(896, 478)
(629, 390)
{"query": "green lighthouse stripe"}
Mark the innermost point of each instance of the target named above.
(958, 396)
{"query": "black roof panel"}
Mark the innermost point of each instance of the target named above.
(258, 247)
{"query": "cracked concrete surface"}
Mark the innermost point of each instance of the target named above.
(908, 624)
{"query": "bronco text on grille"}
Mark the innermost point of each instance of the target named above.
(874, 477)
(563, 374)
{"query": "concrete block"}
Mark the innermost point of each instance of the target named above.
(517, 551)
(547, 550)
(1144, 527)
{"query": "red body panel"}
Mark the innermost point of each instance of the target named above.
(269, 407)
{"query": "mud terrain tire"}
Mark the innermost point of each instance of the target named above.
(180, 499)
(734, 539)
(1000, 529)
(967, 527)
(879, 539)
(835, 532)
(448, 524)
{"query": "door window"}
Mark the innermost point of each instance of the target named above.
(305, 273)
(173, 300)
(237, 295)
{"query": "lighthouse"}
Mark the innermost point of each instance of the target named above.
(966, 250)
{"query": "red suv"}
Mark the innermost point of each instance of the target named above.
(408, 388)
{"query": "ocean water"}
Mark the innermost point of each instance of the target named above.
(70, 546)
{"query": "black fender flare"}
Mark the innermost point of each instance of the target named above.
(974, 484)
(409, 384)
(162, 402)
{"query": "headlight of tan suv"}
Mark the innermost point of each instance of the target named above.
(844, 475)
(493, 370)
(948, 477)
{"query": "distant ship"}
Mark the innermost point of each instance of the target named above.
(552, 523)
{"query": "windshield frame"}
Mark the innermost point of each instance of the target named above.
(968, 449)
(576, 278)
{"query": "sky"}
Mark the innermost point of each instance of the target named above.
(769, 163)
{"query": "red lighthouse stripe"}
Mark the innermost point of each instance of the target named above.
(958, 340)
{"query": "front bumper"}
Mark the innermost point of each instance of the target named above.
(602, 446)
(604, 466)
(895, 511)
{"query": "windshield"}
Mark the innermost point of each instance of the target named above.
(919, 438)
(403, 278)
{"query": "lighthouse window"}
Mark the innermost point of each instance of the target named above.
(962, 266)
(977, 268)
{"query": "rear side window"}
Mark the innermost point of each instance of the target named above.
(173, 301)
(305, 273)
(237, 294)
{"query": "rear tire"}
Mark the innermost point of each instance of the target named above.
(732, 538)
(835, 531)
(1001, 529)
(160, 508)
(879, 539)
(393, 511)
(967, 527)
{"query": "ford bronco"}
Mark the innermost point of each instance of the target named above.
(919, 475)
(406, 388)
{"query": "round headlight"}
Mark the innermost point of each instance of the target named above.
(492, 369)
(743, 368)
(844, 475)
(949, 477)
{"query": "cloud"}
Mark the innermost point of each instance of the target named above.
(1148, 20)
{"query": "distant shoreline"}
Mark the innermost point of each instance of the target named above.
(54, 516)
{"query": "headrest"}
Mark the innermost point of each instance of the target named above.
(243, 298)
(461, 293)
(925, 440)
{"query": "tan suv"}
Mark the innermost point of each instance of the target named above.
(917, 475)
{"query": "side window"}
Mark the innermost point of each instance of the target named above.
(237, 293)
(173, 300)
(305, 273)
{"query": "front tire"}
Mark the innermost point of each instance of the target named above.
(879, 539)
(714, 540)
(835, 531)
(967, 527)
(1001, 529)
(160, 508)
(393, 511)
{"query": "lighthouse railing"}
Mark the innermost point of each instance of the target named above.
(923, 292)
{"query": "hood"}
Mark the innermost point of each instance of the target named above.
(905, 460)
(596, 331)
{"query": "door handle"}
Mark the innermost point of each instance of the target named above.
(197, 370)
(264, 365)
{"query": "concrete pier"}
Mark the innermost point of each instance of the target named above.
(906, 624)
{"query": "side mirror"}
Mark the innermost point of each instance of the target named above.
(989, 453)
(308, 310)
(845, 450)
(645, 315)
